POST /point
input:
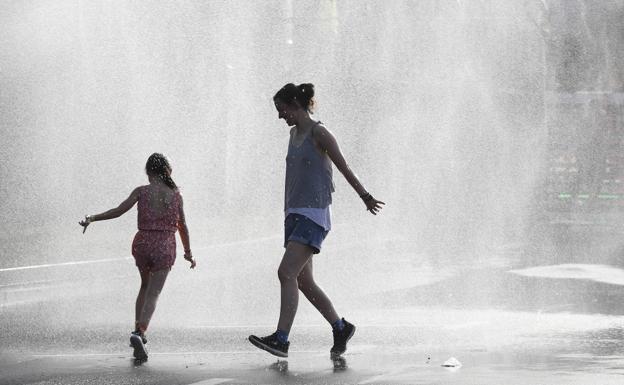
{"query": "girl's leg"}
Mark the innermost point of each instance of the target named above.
(155, 284)
(315, 294)
(140, 298)
(295, 258)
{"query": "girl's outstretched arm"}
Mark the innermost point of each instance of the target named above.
(112, 213)
(328, 143)
(184, 235)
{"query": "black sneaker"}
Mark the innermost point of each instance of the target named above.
(341, 338)
(136, 341)
(271, 344)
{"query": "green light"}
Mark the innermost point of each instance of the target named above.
(586, 196)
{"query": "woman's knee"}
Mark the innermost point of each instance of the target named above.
(305, 278)
(284, 274)
(292, 264)
(306, 284)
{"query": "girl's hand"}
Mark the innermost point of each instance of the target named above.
(189, 257)
(372, 204)
(84, 223)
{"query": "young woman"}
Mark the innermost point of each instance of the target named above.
(160, 214)
(309, 187)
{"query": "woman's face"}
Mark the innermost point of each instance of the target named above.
(286, 112)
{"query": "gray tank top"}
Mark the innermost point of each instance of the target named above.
(309, 181)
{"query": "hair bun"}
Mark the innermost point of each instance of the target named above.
(301, 95)
(307, 89)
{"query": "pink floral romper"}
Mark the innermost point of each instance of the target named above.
(154, 245)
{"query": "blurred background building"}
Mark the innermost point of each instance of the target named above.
(584, 105)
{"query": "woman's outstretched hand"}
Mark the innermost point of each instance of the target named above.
(84, 223)
(372, 204)
(189, 257)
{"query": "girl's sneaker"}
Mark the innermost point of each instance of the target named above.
(140, 333)
(341, 337)
(271, 344)
(136, 342)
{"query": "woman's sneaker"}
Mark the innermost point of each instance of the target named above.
(341, 337)
(271, 344)
(136, 342)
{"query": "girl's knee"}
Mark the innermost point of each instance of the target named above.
(153, 292)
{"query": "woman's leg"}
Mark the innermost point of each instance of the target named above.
(341, 329)
(295, 258)
(155, 284)
(140, 298)
(315, 294)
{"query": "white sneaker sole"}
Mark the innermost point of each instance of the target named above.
(140, 353)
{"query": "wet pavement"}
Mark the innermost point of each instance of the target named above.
(507, 318)
(64, 340)
(377, 355)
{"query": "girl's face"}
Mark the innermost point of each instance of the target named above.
(286, 112)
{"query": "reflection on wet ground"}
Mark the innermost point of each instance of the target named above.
(492, 345)
(505, 315)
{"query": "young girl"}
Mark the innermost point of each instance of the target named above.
(160, 214)
(309, 185)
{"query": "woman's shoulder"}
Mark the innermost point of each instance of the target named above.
(319, 127)
(319, 131)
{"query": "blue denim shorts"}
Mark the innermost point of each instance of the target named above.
(302, 229)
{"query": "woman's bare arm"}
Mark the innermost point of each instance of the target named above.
(327, 142)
